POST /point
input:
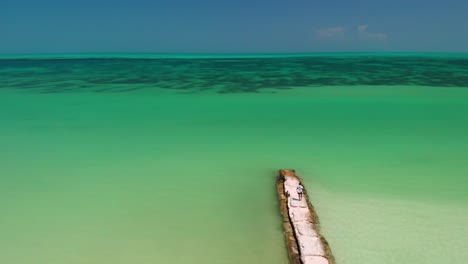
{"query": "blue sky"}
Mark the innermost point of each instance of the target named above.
(237, 26)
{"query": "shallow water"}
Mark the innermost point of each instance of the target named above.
(173, 161)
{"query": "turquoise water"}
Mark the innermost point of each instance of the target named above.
(172, 160)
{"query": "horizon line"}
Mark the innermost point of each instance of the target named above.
(181, 55)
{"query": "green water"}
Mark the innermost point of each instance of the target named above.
(165, 160)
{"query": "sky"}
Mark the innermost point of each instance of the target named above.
(236, 26)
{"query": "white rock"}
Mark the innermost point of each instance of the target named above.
(291, 181)
(305, 229)
(292, 191)
(310, 246)
(299, 214)
(314, 260)
(297, 203)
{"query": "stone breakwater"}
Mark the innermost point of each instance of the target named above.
(300, 223)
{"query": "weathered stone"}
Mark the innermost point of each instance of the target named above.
(305, 245)
(315, 260)
(285, 172)
(292, 202)
(287, 228)
(299, 214)
(291, 191)
(305, 229)
(291, 242)
(291, 181)
(310, 246)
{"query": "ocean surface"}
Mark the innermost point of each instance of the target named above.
(109, 159)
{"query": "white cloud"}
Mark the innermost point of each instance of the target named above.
(378, 36)
(341, 34)
(363, 33)
(331, 32)
(362, 28)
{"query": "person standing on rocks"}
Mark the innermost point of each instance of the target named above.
(300, 191)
